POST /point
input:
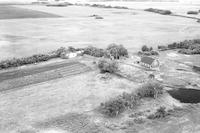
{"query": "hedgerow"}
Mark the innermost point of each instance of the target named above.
(185, 47)
(159, 11)
(15, 62)
(119, 104)
(147, 51)
(193, 12)
(114, 50)
(93, 51)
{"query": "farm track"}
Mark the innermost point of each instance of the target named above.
(21, 78)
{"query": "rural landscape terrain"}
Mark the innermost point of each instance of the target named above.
(100, 67)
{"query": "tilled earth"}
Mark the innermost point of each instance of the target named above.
(23, 77)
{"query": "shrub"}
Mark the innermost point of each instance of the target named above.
(59, 52)
(161, 47)
(119, 104)
(71, 49)
(125, 101)
(160, 11)
(148, 53)
(98, 17)
(145, 48)
(160, 113)
(93, 51)
(182, 45)
(113, 107)
(150, 89)
(106, 65)
(192, 12)
(116, 51)
(32, 59)
(154, 53)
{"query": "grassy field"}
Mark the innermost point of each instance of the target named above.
(132, 28)
(10, 12)
(68, 105)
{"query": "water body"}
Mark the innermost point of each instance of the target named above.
(185, 95)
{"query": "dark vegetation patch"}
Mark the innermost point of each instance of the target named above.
(147, 51)
(151, 89)
(119, 104)
(113, 51)
(116, 51)
(107, 66)
(10, 12)
(159, 11)
(63, 4)
(28, 131)
(193, 12)
(186, 95)
(96, 16)
(15, 62)
(93, 51)
(185, 47)
(102, 6)
(159, 114)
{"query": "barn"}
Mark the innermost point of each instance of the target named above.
(149, 62)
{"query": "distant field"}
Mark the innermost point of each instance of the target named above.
(10, 12)
(132, 28)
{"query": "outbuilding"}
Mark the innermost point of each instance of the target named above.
(149, 62)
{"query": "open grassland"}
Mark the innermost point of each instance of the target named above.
(70, 105)
(132, 28)
(10, 12)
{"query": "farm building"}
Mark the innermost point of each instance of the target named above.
(149, 62)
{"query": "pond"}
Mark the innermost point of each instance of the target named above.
(186, 95)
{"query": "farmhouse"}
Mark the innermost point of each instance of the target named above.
(149, 62)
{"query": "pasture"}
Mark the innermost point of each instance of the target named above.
(132, 28)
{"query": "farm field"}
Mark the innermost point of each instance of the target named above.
(64, 95)
(24, 37)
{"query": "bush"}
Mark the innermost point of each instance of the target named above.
(181, 45)
(125, 101)
(116, 51)
(154, 53)
(119, 104)
(145, 48)
(59, 52)
(161, 47)
(147, 51)
(32, 59)
(72, 49)
(150, 89)
(192, 12)
(93, 51)
(160, 113)
(109, 66)
(98, 17)
(160, 11)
